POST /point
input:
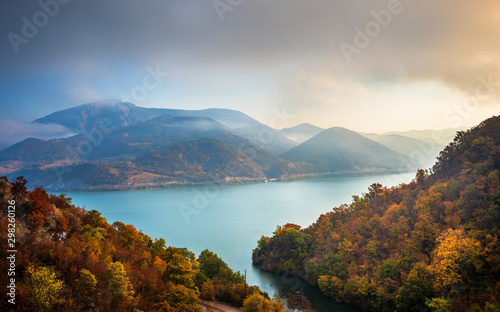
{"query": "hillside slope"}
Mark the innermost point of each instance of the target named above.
(204, 160)
(92, 116)
(424, 152)
(111, 143)
(70, 259)
(112, 114)
(430, 245)
(342, 150)
(300, 133)
(114, 158)
(443, 136)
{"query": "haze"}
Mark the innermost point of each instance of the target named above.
(370, 66)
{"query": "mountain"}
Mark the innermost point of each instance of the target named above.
(202, 159)
(439, 137)
(107, 114)
(163, 150)
(429, 245)
(424, 151)
(197, 161)
(300, 133)
(34, 150)
(88, 116)
(83, 176)
(121, 145)
(241, 124)
(111, 114)
(342, 150)
(228, 117)
(104, 144)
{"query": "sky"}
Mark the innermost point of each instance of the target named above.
(371, 66)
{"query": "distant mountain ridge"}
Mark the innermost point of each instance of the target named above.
(103, 144)
(203, 158)
(122, 153)
(443, 136)
(87, 116)
(122, 146)
(424, 151)
(342, 150)
(196, 161)
(301, 133)
(90, 116)
(116, 114)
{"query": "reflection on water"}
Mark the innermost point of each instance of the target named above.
(298, 292)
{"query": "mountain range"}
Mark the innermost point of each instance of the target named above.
(116, 114)
(300, 133)
(423, 151)
(120, 145)
(342, 150)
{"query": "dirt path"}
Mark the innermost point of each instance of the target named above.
(212, 306)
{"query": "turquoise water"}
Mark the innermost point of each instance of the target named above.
(229, 219)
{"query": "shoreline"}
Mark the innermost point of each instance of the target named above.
(165, 186)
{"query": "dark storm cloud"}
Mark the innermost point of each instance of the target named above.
(452, 41)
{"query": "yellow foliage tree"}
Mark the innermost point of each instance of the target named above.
(119, 283)
(258, 303)
(453, 246)
(345, 250)
(85, 290)
(43, 286)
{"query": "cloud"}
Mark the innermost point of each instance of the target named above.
(452, 43)
(84, 94)
(15, 131)
(445, 39)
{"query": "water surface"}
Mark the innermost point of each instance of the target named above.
(229, 219)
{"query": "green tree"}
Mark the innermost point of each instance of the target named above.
(331, 286)
(416, 290)
(86, 290)
(182, 299)
(489, 307)
(119, 283)
(210, 264)
(214, 267)
(43, 286)
(388, 269)
(439, 304)
(258, 303)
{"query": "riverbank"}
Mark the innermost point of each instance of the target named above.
(166, 186)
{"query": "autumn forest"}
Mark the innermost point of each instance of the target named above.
(71, 259)
(430, 245)
(250, 156)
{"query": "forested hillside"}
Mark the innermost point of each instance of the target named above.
(70, 259)
(338, 149)
(430, 245)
